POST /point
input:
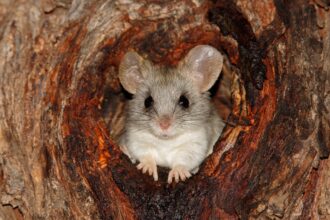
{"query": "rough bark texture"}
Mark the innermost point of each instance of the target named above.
(61, 109)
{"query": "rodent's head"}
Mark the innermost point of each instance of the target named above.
(167, 101)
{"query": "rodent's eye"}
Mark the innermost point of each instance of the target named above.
(183, 101)
(148, 102)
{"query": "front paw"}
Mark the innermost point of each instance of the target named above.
(178, 172)
(148, 164)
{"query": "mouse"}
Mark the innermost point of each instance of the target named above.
(170, 120)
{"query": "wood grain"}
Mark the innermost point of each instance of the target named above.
(61, 109)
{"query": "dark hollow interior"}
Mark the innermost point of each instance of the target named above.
(156, 46)
(100, 101)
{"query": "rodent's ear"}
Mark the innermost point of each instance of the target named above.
(203, 65)
(130, 74)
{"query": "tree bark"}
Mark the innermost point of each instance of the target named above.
(61, 108)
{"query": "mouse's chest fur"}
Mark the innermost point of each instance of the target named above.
(190, 146)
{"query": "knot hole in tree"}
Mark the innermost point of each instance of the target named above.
(93, 118)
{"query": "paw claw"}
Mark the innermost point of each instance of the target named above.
(148, 166)
(139, 166)
(178, 172)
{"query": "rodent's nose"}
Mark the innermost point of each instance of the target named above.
(164, 122)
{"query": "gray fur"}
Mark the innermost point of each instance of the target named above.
(166, 86)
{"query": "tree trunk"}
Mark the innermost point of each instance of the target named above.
(61, 108)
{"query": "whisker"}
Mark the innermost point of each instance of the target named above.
(139, 113)
(140, 129)
(136, 120)
(155, 111)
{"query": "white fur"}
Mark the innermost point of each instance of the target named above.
(188, 149)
